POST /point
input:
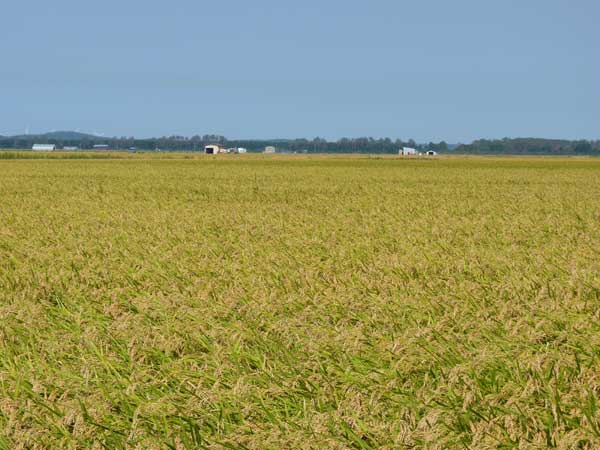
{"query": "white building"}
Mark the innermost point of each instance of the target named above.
(242, 150)
(269, 149)
(70, 147)
(431, 153)
(405, 151)
(212, 149)
(43, 147)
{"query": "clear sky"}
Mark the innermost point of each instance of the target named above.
(427, 70)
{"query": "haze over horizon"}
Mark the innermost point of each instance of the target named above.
(429, 71)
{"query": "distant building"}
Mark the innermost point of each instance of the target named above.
(212, 149)
(70, 147)
(43, 147)
(234, 150)
(431, 153)
(100, 147)
(269, 149)
(405, 151)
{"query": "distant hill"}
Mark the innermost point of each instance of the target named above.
(58, 135)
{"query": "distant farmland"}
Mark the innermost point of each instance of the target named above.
(299, 302)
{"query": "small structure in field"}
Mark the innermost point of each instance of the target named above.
(43, 147)
(431, 153)
(236, 150)
(406, 151)
(269, 149)
(100, 147)
(212, 149)
(70, 147)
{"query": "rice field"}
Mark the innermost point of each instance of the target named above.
(299, 302)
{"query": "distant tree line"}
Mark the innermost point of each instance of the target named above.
(530, 146)
(519, 146)
(197, 143)
(343, 145)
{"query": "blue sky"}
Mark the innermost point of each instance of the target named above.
(427, 70)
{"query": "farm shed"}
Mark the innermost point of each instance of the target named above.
(43, 147)
(431, 153)
(269, 149)
(407, 151)
(212, 149)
